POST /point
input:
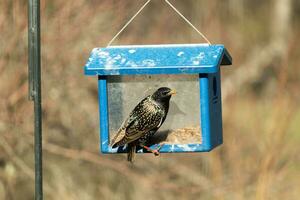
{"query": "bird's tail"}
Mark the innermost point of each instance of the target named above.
(131, 152)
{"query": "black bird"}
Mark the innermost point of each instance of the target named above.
(143, 122)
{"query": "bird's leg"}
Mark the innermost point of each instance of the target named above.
(154, 151)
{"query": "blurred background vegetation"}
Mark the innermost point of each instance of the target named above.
(261, 115)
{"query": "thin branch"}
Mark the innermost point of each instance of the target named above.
(20, 163)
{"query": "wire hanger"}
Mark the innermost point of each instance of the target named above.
(140, 10)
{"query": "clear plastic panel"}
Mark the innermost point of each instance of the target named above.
(182, 125)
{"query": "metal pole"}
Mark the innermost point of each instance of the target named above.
(34, 73)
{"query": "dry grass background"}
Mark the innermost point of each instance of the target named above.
(260, 155)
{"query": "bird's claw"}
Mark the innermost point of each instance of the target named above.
(156, 151)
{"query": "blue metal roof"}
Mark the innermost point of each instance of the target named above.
(157, 59)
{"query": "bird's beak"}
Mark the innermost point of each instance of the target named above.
(172, 92)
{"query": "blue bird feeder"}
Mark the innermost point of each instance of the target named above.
(127, 73)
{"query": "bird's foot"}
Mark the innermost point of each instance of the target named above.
(158, 149)
(154, 151)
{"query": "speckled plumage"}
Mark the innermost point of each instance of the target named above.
(145, 119)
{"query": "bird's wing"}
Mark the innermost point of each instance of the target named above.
(142, 125)
(132, 117)
(121, 132)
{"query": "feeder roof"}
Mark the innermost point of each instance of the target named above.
(157, 59)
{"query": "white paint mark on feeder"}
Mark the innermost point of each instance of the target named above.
(103, 54)
(104, 142)
(89, 62)
(172, 148)
(110, 62)
(185, 147)
(201, 55)
(95, 50)
(117, 57)
(131, 63)
(148, 63)
(196, 62)
(132, 51)
(113, 71)
(180, 53)
(123, 60)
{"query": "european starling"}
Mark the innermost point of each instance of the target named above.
(143, 122)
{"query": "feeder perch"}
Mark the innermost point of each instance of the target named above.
(126, 74)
